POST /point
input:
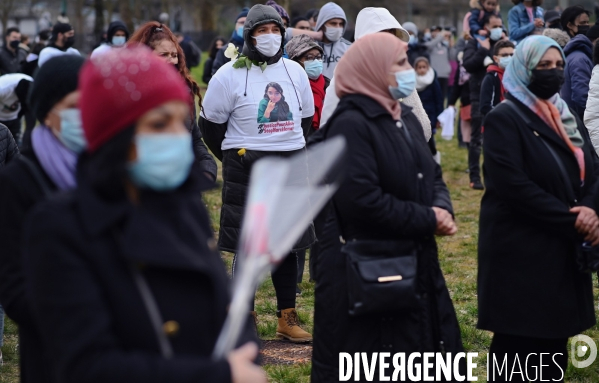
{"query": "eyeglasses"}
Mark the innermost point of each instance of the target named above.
(312, 57)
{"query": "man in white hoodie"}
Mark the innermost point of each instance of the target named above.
(374, 20)
(332, 22)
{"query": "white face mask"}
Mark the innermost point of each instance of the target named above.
(268, 44)
(333, 34)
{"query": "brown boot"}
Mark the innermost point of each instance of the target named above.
(289, 327)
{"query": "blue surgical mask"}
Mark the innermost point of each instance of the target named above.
(240, 32)
(163, 161)
(406, 83)
(413, 40)
(503, 61)
(495, 34)
(71, 133)
(428, 36)
(118, 41)
(313, 68)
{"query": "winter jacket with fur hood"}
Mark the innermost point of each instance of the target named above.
(373, 20)
(577, 73)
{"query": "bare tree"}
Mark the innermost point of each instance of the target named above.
(6, 8)
(99, 25)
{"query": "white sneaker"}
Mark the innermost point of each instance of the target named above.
(437, 157)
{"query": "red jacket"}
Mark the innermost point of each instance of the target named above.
(318, 91)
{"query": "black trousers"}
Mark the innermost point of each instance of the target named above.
(284, 280)
(476, 140)
(15, 129)
(444, 83)
(554, 360)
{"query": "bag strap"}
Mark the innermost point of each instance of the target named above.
(37, 175)
(562, 169)
(151, 306)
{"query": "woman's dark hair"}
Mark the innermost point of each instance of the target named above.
(105, 170)
(151, 34)
(213, 49)
(570, 14)
(282, 108)
(296, 20)
(535, 3)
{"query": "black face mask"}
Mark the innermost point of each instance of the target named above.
(582, 30)
(14, 44)
(69, 42)
(547, 82)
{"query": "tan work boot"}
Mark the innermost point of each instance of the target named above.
(289, 327)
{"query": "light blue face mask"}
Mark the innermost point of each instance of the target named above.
(503, 61)
(240, 32)
(413, 40)
(495, 34)
(163, 161)
(313, 68)
(118, 41)
(406, 83)
(71, 133)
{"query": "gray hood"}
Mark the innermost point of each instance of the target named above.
(330, 11)
(258, 15)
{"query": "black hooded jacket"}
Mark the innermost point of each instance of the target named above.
(114, 27)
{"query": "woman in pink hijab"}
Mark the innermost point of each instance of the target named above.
(383, 289)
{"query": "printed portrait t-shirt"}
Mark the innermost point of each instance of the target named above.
(266, 114)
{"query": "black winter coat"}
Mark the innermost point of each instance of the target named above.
(80, 250)
(8, 148)
(474, 58)
(432, 101)
(19, 193)
(490, 92)
(388, 193)
(11, 62)
(528, 282)
(459, 92)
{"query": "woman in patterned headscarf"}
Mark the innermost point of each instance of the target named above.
(538, 208)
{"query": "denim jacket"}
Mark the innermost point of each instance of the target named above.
(519, 22)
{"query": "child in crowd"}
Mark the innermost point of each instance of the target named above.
(491, 90)
(477, 14)
(429, 91)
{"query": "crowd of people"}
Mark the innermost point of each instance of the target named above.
(110, 265)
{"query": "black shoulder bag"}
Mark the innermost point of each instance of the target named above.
(381, 274)
(587, 256)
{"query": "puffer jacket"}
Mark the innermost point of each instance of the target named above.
(577, 74)
(8, 148)
(591, 113)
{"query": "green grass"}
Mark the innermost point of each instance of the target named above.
(457, 256)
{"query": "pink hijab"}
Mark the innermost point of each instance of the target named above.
(365, 67)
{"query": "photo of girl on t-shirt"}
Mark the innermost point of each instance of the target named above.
(273, 106)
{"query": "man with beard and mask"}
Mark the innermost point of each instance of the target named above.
(332, 22)
(579, 59)
(239, 101)
(477, 56)
(116, 37)
(11, 56)
(61, 43)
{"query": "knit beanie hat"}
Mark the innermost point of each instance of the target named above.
(53, 81)
(299, 45)
(118, 87)
(60, 28)
(280, 10)
(243, 13)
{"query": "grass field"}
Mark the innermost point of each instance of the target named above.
(458, 261)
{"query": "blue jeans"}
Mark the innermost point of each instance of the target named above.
(1, 326)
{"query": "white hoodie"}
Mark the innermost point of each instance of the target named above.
(591, 113)
(373, 20)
